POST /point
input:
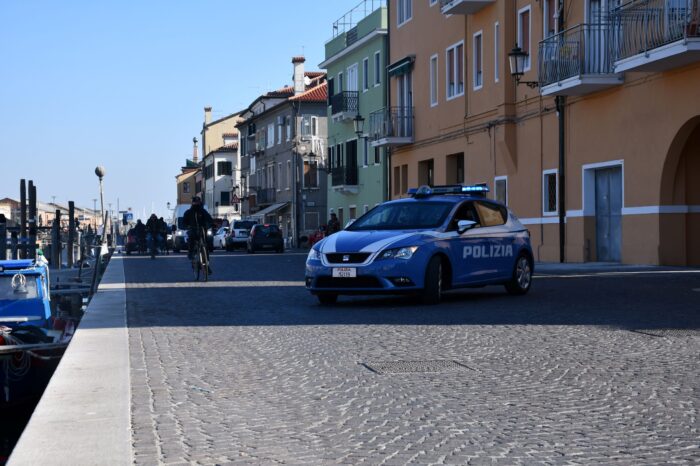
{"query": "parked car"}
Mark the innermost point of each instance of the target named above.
(238, 234)
(132, 244)
(220, 238)
(265, 237)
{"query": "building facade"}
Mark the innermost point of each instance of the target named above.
(283, 145)
(221, 165)
(355, 61)
(595, 143)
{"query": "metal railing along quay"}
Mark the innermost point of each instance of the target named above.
(642, 25)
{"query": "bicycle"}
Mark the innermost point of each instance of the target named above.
(200, 260)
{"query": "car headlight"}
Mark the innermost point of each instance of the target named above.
(399, 253)
(313, 255)
(180, 233)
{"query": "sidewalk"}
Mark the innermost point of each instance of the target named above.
(574, 268)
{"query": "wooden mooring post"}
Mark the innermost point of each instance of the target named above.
(56, 241)
(71, 232)
(32, 221)
(22, 219)
(3, 237)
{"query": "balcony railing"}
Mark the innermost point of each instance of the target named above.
(345, 102)
(393, 125)
(345, 175)
(580, 50)
(463, 7)
(265, 195)
(643, 25)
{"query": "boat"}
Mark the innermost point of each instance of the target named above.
(33, 337)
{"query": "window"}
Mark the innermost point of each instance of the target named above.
(279, 133)
(365, 155)
(352, 210)
(365, 209)
(549, 192)
(433, 80)
(377, 156)
(339, 82)
(500, 191)
(365, 74)
(270, 135)
(404, 11)
(397, 181)
(352, 81)
(425, 172)
(454, 168)
(331, 83)
(491, 215)
(549, 12)
(455, 70)
(496, 51)
(225, 198)
(309, 125)
(524, 34)
(289, 174)
(224, 168)
(279, 175)
(310, 174)
(377, 69)
(289, 127)
(478, 61)
(186, 187)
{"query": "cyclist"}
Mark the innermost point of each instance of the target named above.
(153, 235)
(163, 233)
(140, 230)
(195, 219)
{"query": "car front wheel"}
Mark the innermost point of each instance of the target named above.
(432, 288)
(521, 280)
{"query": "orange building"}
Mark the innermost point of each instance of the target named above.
(595, 144)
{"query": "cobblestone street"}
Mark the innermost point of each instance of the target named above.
(249, 368)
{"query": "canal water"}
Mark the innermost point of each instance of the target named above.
(11, 426)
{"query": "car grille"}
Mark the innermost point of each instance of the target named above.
(354, 282)
(353, 257)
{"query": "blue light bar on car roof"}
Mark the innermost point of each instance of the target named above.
(425, 191)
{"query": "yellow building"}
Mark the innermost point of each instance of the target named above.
(602, 131)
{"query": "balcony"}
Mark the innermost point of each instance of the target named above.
(577, 61)
(391, 127)
(655, 35)
(265, 196)
(345, 105)
(344, 179)
(463, 7)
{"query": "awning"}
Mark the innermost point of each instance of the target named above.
(402, 66)
(268, 210)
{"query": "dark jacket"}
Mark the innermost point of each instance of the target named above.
(197, 216)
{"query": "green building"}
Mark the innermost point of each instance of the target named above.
(355, 61)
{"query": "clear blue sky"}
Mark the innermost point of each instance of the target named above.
(123, 83)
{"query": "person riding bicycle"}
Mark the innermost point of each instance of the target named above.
(140, 230)
(195, 219)
(153, 230)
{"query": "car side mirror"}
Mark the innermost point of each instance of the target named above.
(464, 225)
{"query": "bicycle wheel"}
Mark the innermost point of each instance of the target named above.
(196, 266)
(204, 263)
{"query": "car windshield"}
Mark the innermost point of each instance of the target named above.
(268, 230)
(243, 225)
(403, 216)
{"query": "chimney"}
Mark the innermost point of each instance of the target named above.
(207, 115)
(298, 63)
(195, 153)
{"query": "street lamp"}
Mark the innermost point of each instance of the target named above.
(518, 58)
(359, 123)
(100, 172)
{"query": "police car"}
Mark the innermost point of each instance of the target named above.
(440, 238)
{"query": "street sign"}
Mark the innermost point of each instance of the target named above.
(235, 199)
(128, 217)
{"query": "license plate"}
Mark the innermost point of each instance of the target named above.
(345, 272)
(243, 233)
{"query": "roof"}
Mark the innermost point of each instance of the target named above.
(315, 94)
(230, 135)
(227, 148)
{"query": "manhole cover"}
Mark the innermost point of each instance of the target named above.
(669, 332)
(410, 367)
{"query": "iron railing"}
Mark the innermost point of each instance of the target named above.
(581, 50)
(642, 25)
(345, 101)
(391, 122)
(265, 195)
(350, 19)
(345, 175)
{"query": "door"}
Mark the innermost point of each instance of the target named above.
(596, 56)
(352, 78)
(608, 214)
(403, 126)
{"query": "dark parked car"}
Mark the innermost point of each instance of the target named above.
(265, 237)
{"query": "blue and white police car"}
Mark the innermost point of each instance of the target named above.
(440, 238)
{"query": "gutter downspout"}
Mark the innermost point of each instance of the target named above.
(387, 101)
(561, 106)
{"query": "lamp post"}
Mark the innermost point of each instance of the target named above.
(517, 59)
(100, 172)
(359, 124)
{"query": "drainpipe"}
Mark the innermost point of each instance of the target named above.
(561, 105)
(387, 100)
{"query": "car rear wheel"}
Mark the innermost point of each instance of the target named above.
(327, 298)
(522, 276)
(432, 288)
